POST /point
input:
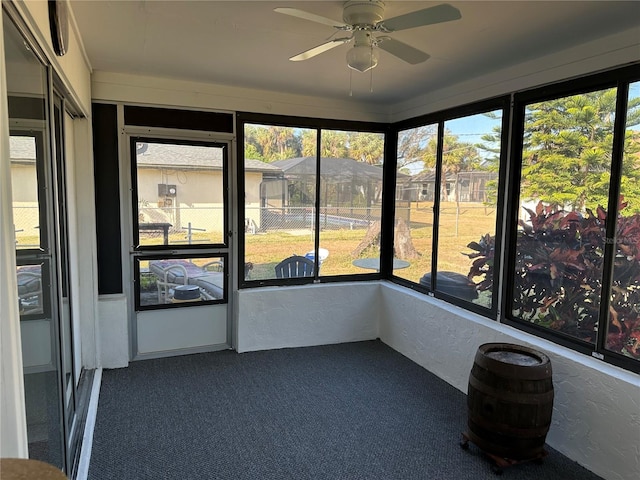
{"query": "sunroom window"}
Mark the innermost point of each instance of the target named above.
(446, 206)
(574, 272)
(306, 219)
(623, 332)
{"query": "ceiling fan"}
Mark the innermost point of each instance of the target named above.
(365, 18)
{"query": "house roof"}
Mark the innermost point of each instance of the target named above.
(22, 149)
(184, 156)
(334, 168)
(191, 157)
(260, 166)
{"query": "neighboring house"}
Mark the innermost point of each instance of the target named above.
(174, 185)
(473, 186)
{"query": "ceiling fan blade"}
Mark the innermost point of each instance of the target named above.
(401, 50)
(428, 16)
(294, 12)
(312, 52)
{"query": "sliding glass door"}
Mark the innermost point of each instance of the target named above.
(39, 201)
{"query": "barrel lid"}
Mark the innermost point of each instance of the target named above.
(516, 358)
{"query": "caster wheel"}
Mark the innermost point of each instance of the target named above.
(496, 469)
(464, 445)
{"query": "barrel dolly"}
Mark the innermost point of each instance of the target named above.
(500, 463)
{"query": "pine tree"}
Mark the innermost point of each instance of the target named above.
(567, 151)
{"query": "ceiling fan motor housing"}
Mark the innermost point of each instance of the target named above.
(365, 13)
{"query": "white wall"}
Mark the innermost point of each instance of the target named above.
(73, 68)
(129, 88)
(268, 318)
(301, 316)
(596, 419)
(113, 340)
(13, 423)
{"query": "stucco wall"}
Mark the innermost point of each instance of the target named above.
(301, 316)
(595, 419)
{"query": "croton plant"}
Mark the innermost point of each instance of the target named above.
(558, 274)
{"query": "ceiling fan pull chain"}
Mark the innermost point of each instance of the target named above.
(371, 71)
(350, 85)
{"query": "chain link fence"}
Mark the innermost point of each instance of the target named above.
(261, 219)
(181, 225)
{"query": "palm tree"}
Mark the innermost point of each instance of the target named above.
(457, 157)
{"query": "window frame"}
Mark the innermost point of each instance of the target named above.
(317, 124)
(181, 256)
(136, 246)
(40, 137)
(512, 105)
(440, 118)
(620, 79)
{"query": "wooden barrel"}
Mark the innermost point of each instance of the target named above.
(510, 400)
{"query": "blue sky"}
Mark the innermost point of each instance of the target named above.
(634, 92)
(471, 129)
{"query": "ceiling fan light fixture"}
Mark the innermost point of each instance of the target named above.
(362, 58)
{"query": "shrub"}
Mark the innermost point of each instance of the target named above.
(558, 274)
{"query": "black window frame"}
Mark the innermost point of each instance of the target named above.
(440, 118)
(243, 118)
(134, 139)
(41, 160)
(180, 256)
(512, 107)
(619, 78)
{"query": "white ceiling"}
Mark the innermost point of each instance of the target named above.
(247, 44)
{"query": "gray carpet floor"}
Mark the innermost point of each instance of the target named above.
(349, 411)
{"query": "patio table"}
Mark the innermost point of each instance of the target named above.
(374, 263)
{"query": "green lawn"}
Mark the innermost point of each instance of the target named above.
(265, 250)
(457, 229)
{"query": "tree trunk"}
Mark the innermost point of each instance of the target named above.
(402, 243)
(370, 239)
